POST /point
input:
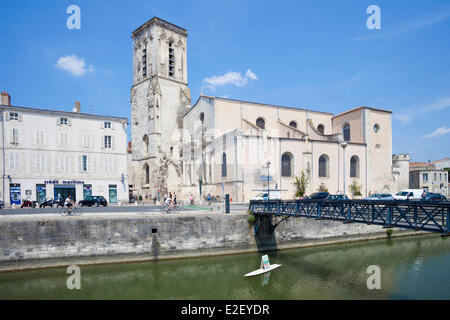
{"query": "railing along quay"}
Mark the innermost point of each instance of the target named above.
(407, 214)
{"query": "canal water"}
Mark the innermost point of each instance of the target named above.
(411, 268)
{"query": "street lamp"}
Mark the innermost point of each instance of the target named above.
(268, 180)
(344, 145)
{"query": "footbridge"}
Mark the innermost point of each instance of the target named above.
(407, 214)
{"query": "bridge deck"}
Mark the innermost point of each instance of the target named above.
(416, 215)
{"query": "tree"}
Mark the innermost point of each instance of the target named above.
(356, 189)
(323, 187)
(300, 184)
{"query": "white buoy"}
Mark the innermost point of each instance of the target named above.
(265, 267)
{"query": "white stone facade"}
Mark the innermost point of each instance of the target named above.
(181, 149)
(230, 128)
(46, 153)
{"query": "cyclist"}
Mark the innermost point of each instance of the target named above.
(169, 204)
(69, 203)
(191, 200)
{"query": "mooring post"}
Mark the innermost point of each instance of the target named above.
(349, 214)
(319, 212)
(389, 218)
(415, 218)
(447, 223)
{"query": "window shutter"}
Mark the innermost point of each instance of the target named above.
(7, 116)
(80, 163)
(17, 161)
(11, 161)
(17, 136)
(69, 121)
(58, 140)
(20, 117)
(58, 123)
(58, 164)
(102, 143)
(12, 135)
(90, 164)
(113, 146)
(102, 125)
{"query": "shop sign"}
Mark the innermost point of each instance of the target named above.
(63, 182)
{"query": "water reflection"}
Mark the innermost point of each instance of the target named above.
(413, 268)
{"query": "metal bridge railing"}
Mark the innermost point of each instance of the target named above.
(408, 214)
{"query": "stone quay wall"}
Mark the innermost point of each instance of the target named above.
(140, 237)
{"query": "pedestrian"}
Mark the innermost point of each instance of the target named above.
(209, 199)
(174, 198)
(191, 200)
(423, 195)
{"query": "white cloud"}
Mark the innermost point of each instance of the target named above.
(437, 133)
(73, 64)
(250, 75)
(405, 116)
(232, 77)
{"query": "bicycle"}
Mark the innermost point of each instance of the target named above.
(174, 208)
(76, 211)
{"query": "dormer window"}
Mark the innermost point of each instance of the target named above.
(13, 116)
(63, 121)
(107, 125)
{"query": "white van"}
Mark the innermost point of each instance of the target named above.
(409, 194)
(274, 195)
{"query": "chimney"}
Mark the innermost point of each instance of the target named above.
(6, 99)
(77, 107)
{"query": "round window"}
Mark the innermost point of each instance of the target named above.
(376, 128)
(378, 147)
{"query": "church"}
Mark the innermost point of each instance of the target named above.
(226, 146)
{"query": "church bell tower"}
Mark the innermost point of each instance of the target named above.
(159, 98)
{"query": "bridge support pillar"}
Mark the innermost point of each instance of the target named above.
(447, 225)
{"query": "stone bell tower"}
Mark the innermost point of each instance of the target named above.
(159, 98)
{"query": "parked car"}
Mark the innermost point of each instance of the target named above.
(2, 204)
(409, 194)
(52, 203)
(28, 204)
(318, 196)
(93, 201)
(430, 196)
(274, 195)
(337, 197)
(380, 196)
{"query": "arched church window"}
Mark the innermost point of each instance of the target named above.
(260, 123)
(145, 143)
(323, 166)
(321, 128)
(354, 167)
(293, 124)
(146, 174)
(286, 165)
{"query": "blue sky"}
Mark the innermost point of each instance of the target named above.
(311, 54)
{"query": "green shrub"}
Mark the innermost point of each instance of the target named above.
(389, 233)
(251, 219)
